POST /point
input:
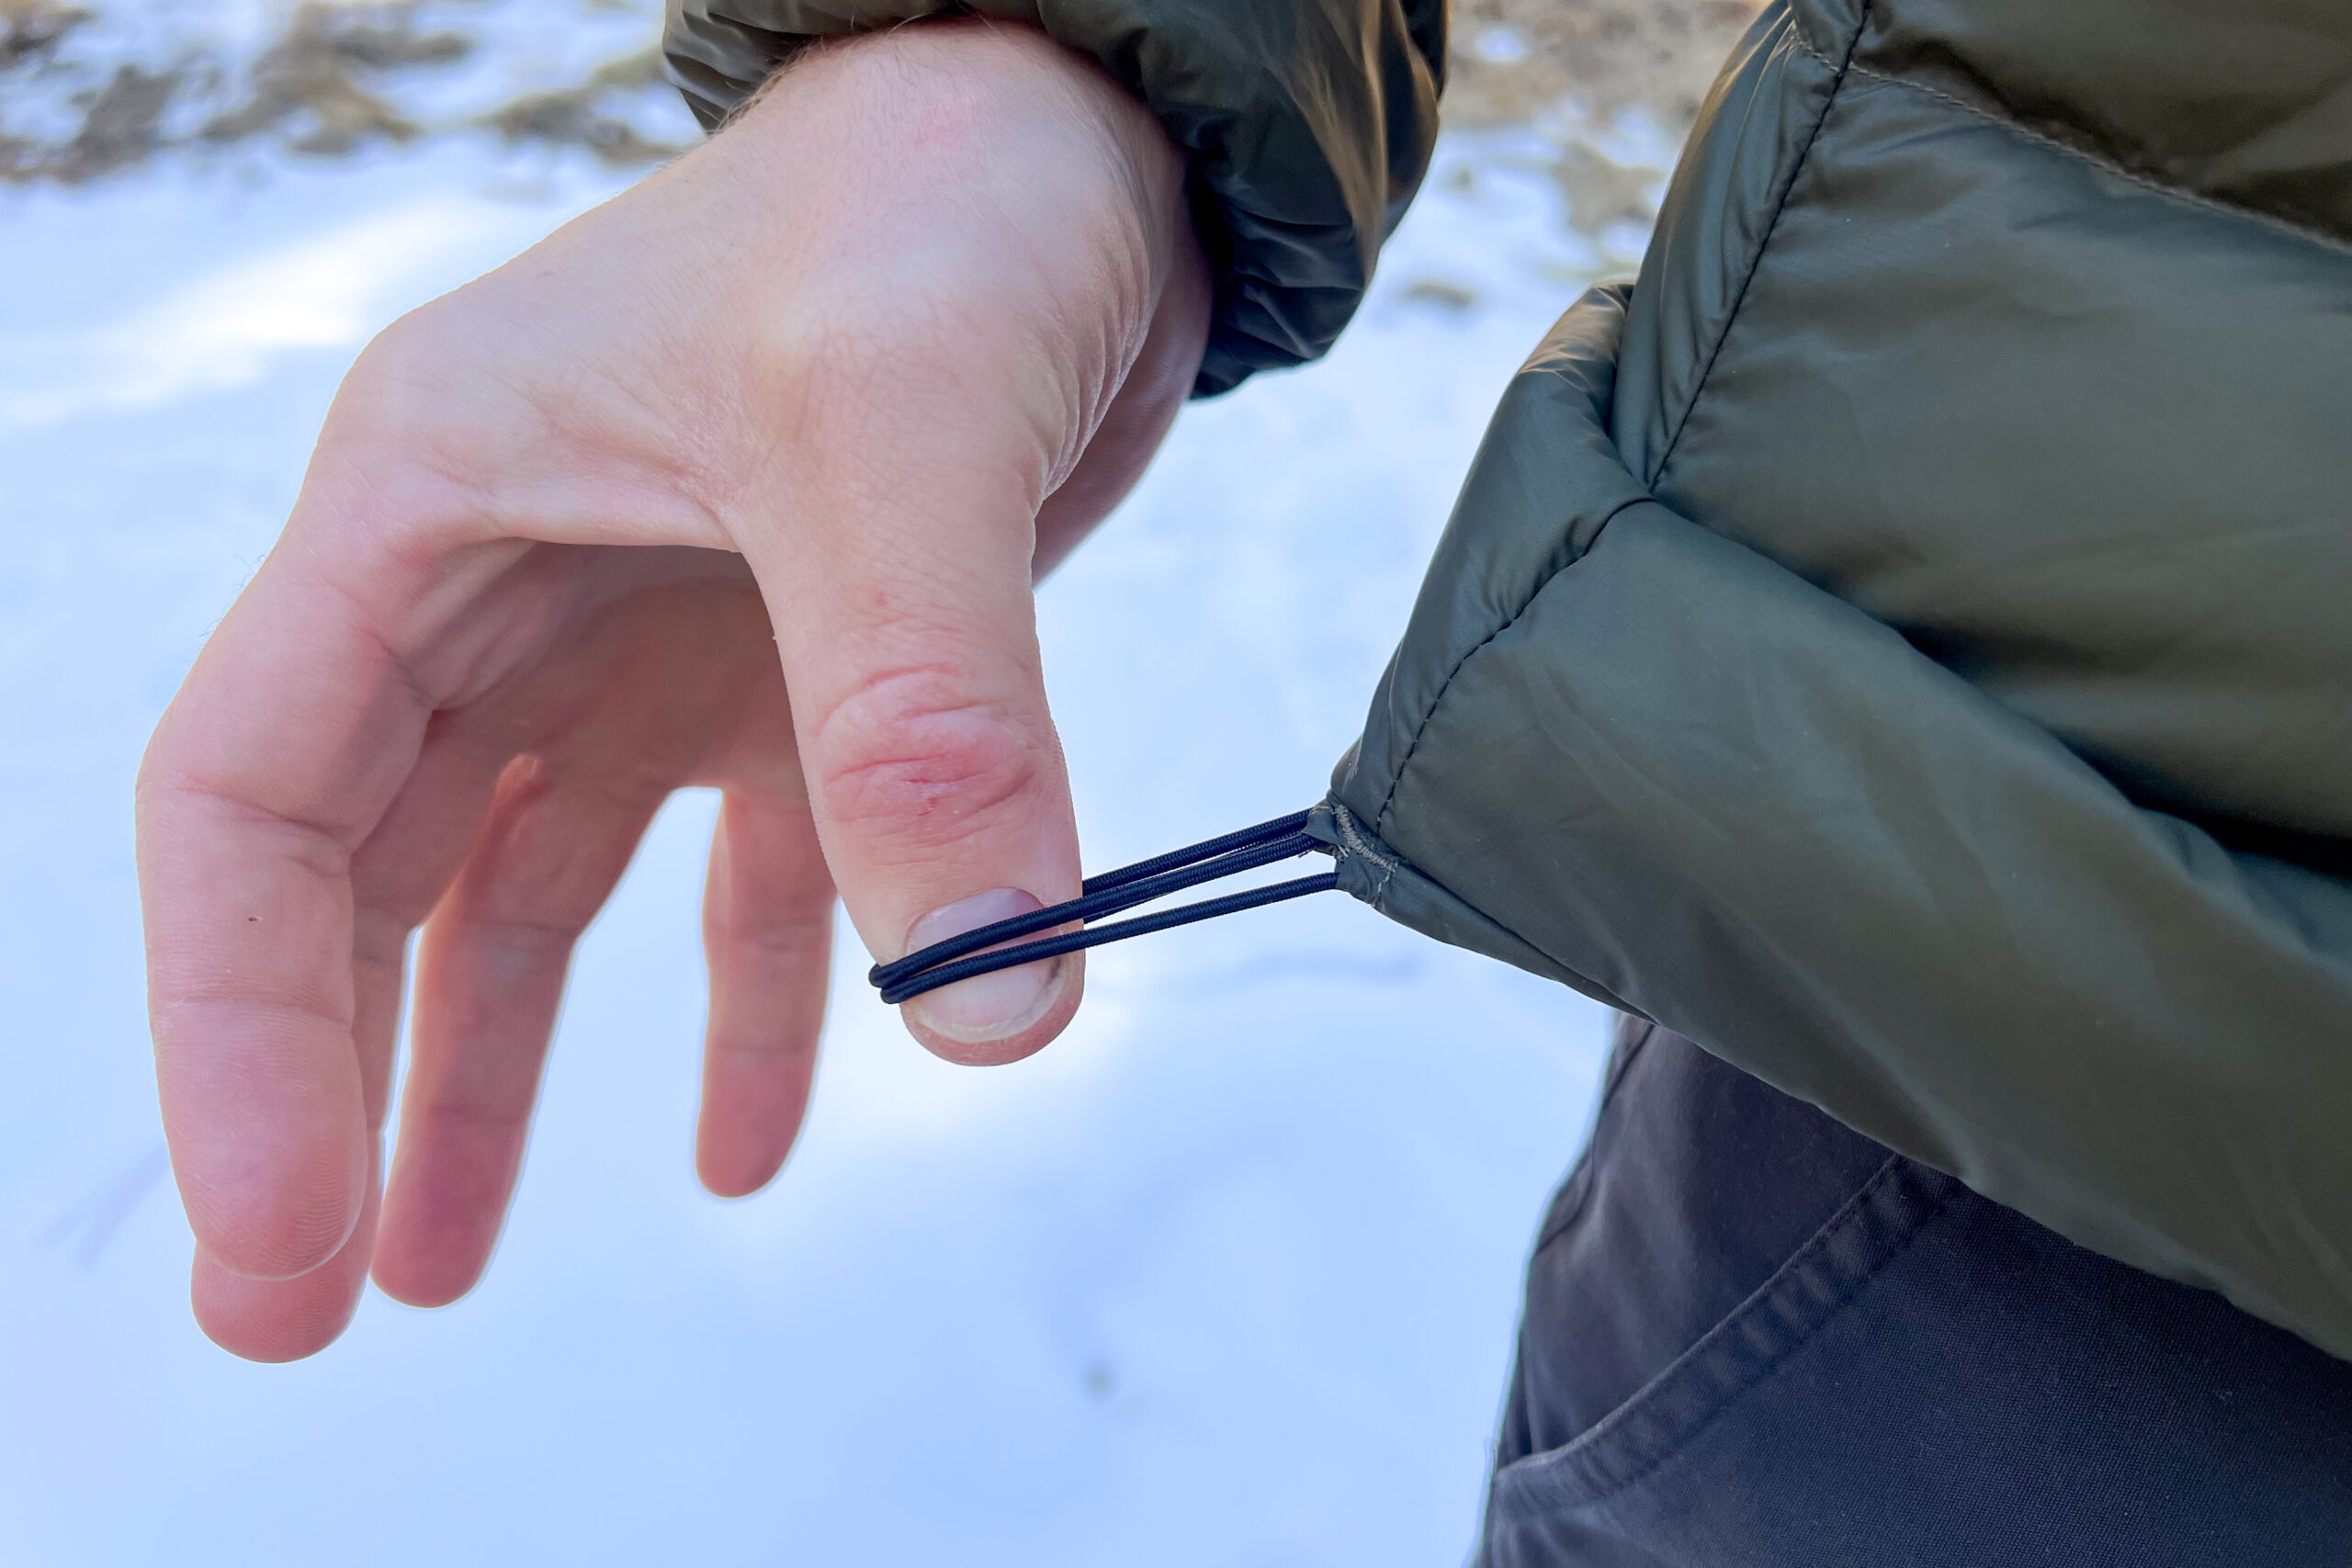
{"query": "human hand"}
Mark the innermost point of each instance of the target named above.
(738, 480)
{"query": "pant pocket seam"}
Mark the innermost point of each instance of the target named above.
(1817, 1282)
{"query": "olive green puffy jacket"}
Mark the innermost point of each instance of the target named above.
(1905, 643)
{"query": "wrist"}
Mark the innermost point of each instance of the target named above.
(953, 113)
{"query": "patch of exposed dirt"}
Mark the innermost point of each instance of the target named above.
(33, 28)
(1578, 68)
(331, 79)
(122, 126)
(1513, 60)
(575, 115)
(313, 84)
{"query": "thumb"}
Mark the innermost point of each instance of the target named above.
(905, 621)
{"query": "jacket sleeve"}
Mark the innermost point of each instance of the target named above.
(1307, 125)
(1621, 750)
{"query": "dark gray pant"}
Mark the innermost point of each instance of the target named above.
(1755, 1337)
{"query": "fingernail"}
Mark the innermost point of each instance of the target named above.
(987, 1007)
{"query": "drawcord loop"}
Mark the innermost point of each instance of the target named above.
(961, 958)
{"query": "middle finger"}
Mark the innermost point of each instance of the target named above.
(491, 972)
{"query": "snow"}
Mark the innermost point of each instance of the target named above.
(1228, 1275)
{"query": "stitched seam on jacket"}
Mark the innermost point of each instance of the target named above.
(1354, 843)
(1796, 166)
(2147, 182)
(1380, 818)
(1764, 241)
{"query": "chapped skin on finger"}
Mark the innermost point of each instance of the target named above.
(908, 755)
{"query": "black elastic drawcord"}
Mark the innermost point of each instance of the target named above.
(945, 962)
(1121, 890)
(1208, 849)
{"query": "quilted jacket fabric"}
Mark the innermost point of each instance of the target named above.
(1902, 644)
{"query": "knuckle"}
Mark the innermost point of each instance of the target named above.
(398, 380)
(522, 945)
(785, 941)
(909, 757)
(458, 1123)
(763, 1048)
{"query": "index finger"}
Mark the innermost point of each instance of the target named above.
(290, 736)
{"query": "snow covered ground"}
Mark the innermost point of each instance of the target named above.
(1227, 1276)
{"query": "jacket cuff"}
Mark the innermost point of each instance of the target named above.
(1630, 753)
(1306, 126)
